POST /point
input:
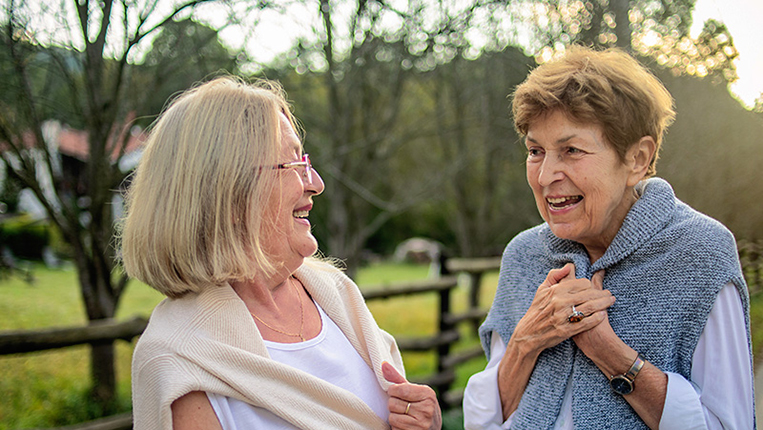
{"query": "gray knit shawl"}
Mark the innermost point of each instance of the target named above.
(665, 267)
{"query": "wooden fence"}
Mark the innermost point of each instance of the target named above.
(441, 341)
(447, 333)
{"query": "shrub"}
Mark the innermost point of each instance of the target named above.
(25, 237)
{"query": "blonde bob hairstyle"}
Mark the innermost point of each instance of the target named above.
(608, 88)
(195, 208)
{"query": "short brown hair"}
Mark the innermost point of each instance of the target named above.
(195, 208)
(608, 88)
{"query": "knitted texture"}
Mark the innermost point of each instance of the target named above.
(209, 342)
(665, 267)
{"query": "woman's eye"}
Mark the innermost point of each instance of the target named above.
(533, 152)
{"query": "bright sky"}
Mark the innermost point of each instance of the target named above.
(744, 19)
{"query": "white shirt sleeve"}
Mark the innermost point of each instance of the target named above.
(482, 401)
(713, 400)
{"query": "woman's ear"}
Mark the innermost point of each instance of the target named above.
(639, 157)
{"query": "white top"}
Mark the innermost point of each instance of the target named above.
(328, 356)
(719, 395)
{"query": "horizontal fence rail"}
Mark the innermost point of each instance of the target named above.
(447, 321)
(16, 342)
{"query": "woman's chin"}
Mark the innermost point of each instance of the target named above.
(310, 248)
(564, 231)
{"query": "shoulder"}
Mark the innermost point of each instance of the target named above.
(174, 325)
(529, 245)
(682, 221)
(532, 239)
(700, 231)
(324, 274)
(193, 411)
(155, 354)
(169, 319)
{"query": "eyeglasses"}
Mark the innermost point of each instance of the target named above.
(307, 174)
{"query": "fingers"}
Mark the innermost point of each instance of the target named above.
(596, 305)
(408, 392)
(548, 320)
(557, 275)
(391, 374)
(418, 410)
(598, 280)
(411, 406)
(571, 274)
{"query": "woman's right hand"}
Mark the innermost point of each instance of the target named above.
(411, 406)
(546, 324)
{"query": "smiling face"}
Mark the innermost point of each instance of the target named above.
(288, 239)
(581, 187)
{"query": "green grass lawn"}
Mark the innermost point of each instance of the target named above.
(50, 388)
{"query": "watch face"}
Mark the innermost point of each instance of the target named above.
(621, 385)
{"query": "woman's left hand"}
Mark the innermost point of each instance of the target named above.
(411, 406)
(601, 338)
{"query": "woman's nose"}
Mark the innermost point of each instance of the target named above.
(316, 186)
(550, 170)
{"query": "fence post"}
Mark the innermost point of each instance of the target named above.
(443, 350)
(475, 284)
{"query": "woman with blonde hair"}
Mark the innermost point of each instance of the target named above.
(626, 308)
(255, 332)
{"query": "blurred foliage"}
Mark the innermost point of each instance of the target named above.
(407, 116)
(184, 53)
(711, 152)
(711, 54)
(9, 193)
(24, 237)
(751, 257)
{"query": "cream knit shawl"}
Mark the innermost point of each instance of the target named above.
(209, 342)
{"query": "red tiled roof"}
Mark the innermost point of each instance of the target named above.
(73, 143)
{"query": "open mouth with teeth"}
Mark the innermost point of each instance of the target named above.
(300, 214)
(559, 203)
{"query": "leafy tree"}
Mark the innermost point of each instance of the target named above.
(555, 23)
(712, 151)
(368, 87)
(711, 54)
(487, 199)
(76, 61)
(360, 117)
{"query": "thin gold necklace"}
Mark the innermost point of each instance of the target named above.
(301, 319)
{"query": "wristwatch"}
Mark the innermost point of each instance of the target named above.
(623, 384)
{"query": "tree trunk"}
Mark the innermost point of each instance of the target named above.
(100, 298)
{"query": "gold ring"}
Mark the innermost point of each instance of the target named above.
(575, 316)
(407, 407)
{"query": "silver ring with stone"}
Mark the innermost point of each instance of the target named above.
(575, 316)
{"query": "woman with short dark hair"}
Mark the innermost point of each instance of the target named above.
(626, 309)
